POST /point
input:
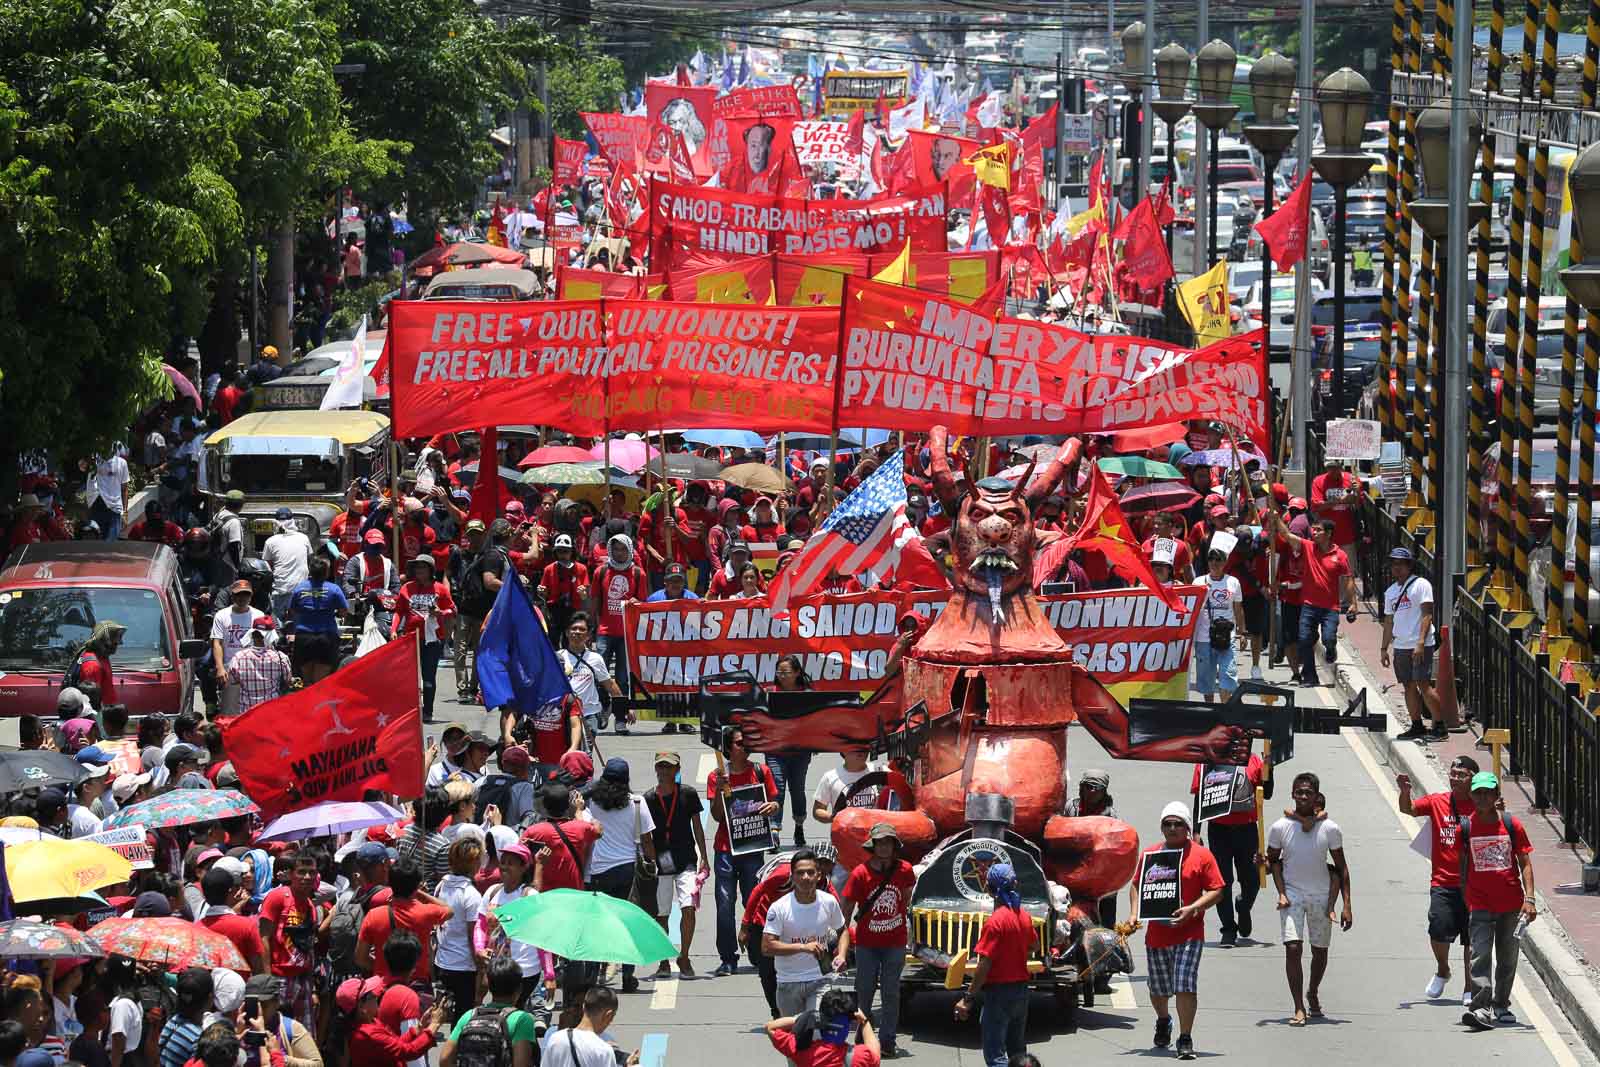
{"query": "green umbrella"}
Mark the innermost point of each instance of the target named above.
(564, 474)
(586, 926)
(1139, 467)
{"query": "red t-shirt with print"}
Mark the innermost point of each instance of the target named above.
(1494, 880)
(1198, 875)
(884, 924)
(1444, 820)
(1006, 940)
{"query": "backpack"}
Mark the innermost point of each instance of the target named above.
(486, 1039)
(74, 673)
(475, 596)
(345, 929)
(495, 789)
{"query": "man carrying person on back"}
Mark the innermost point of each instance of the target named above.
(1300, 848)
(1447, 904)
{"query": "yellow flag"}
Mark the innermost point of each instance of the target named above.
(895, 272)
(992, 165)
(1077, 222)
(1204, 299)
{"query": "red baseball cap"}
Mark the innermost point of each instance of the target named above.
(579, 765)
(1280, 493)
(1297, 503)
(1218, 510)
(351, 990)
(373, 537)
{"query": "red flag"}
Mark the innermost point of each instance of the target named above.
(902, 171)
(996, 213)
(683, 75)
(486, 492)
(357, 729)
(1096, 182)
(1041, 132)
(883, 112)
(855, 133)
(1104, 530)
(1285, 232)
(1163, 209)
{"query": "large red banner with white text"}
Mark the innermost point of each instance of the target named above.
(1129, 639)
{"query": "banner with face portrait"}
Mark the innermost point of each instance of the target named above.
(756, 155)
(937, 158)
(685, 110)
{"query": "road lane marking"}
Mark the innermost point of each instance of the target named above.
(665, 997)
(1122, 998)
(1529, 1009)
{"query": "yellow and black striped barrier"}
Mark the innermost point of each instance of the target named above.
(1478, 410)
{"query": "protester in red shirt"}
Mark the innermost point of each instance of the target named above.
(416, 536)
(372, 1043)
(569, 839)
(1447, 903)
(291, 926)
(346, 526)
(94, 659)
(1002, 976)
(409, 908)
(764, 526)
(696, 525)
(564, 585)
(1234, 840)
(1166, 527)
(1498, 867)
(1326, 589)
(1335, 495)
(735, 874)
(224, 893)
(726, 583)
(881, 887)
(1172, 947)
(616, 583)
(155, 526)
(826, 1042)
(227, 399)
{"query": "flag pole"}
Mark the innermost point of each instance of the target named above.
(605, 416)
(838, 400)
(422, 734)
(666, 487)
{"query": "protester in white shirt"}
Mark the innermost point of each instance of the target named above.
(1408, 626)
(1221, 617)
(800, 929)
(587, 674)
(626, 833)
(288, 553)
(228, 629)
(107, 494)
(453, 959)
(587, 1042)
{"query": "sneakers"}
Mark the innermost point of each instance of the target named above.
(1185, 1047)
(1435, 987)
(1438, 733)
(1229, 939)
(1415, 732)
(1163, 1036)
(1245, 925)
(725, 970)
(1504, 1017)
(685, 968)
(1256, 675)
(1478, 1020)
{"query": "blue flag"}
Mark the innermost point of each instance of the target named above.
(517, 668)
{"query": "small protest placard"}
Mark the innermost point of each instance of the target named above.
(1353, 439)
(748, 829)
(129, 843)
(1160, 891)
(1217, 786)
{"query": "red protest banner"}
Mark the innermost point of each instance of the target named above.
(569, 162)
(355, 730)
(1133, 642)
(575, 283)
(686, 110)
(622, 138)
(912, 359)
(767, 101)
(718, 220)
(459, 364)
(936, 158)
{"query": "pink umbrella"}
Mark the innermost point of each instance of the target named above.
(548, 454)
(626, 456)
(181, 382)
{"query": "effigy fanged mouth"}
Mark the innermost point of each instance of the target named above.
(994, 560)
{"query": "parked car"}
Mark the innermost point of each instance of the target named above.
(1282, 336)
(53, 594)
(1362, 345)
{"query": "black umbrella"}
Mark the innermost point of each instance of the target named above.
(38, 767)
(685, 465)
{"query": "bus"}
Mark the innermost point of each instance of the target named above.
(845, 92)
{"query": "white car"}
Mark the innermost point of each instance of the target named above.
(1282, 308)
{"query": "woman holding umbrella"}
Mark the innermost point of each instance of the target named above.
(93, 661)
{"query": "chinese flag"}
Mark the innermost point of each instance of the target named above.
(1285, 231)
(1105, 531)
(358, 729)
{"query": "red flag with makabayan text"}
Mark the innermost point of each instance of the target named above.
(358, 729)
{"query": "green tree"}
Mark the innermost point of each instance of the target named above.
(582, 79)
(116, 128)
(440, 77)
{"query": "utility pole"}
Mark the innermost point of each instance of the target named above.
(1300, 356)
(1147, 121)
(1452, 531)
(1201, 159)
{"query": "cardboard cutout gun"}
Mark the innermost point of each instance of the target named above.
(1254, 711)
(777, 721)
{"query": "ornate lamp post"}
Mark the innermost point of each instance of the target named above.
(1215, 65)
(1172, 75)
(1271, 91)
(1345, 98)
(1135, 54)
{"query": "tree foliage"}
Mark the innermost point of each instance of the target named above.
(581, 79)
(116, 130)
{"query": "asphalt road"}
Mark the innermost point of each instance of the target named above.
(1372, 995)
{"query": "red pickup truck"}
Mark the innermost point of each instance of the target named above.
(53, 594)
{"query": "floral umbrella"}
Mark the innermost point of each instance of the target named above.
(24, 939)
(176, 944)
(181, 807)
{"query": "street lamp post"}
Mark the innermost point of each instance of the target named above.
(1215, 64)
(1433, 212)
(1135, 57)
(1172, 74)
(1271, 90)
(1344, 98)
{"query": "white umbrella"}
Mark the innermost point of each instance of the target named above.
(333, 817)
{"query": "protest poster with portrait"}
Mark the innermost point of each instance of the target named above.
(1160, 885)
(1217, 787)
(748, 829)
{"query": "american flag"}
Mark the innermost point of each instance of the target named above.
(868, 530)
